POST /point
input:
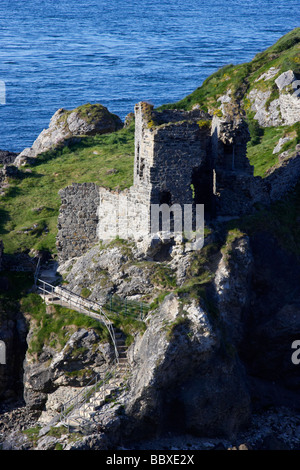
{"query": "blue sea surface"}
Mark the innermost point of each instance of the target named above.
(64, 53)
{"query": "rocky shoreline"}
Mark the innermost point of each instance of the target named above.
(273, 429)
(7, 157)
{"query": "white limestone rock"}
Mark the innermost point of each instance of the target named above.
(64, 125)
(280, 144)
(285, 79)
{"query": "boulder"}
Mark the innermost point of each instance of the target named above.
(285, 79)
(65, 126)
(283, 110)
(281, 143)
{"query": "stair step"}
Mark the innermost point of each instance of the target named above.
(86, 413)
(98, 403)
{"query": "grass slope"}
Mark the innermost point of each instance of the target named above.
(29, 210)
(284, 54)
(241, 79)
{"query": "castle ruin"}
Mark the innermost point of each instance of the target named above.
(181, 157)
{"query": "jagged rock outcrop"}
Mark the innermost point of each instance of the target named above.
(80, 359)
(124, 268)
(284, 110)
(6, 157)
(232, 285)
(104, 272)
(167, 389)
(183, 380)
(206, 395)
(64, 125)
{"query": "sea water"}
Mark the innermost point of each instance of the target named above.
(64, 53)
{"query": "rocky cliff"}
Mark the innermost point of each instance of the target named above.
(212, 348)
(215, 350)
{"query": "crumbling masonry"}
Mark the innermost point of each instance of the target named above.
(181, 157)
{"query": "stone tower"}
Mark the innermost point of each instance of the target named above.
(172, 155)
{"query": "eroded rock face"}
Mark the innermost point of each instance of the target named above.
(266, 116)
(182, 379)
(125, 269)
(80, 359)
(6, 157)
(273, 323)
(232, 284)
(105, 272)
(284, 110)
(65, 125)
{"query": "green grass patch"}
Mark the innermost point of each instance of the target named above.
(181, 321)
(127, 315)
(29, 209)
(260, 149)
(233, 234)
(85, 292)
(125, 246)
(263, 141)
(199, 275)
(54, 328)
(284, 55)
(158, 300)
(130, 325)
(32, 434)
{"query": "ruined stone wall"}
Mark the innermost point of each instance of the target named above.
(238, 193)
(179, 149)
(180, 158)
(235, 187)
(78, 220)
(169, 145)
(122, 214)
(143, 156)
(229, 144)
